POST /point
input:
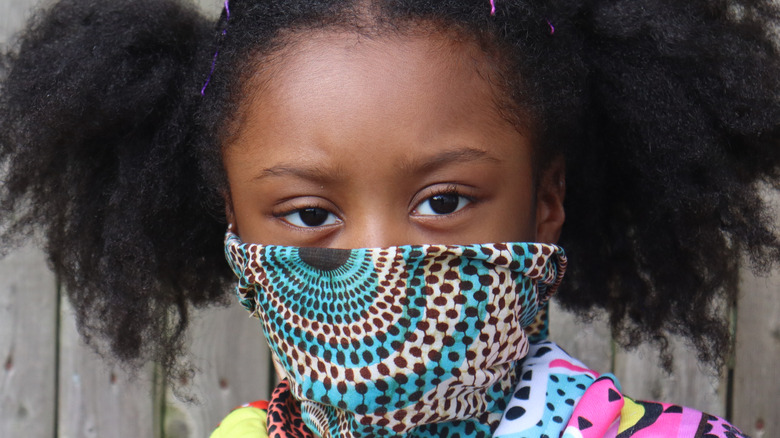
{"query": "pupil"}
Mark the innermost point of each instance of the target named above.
(444, 204)
(313, 217)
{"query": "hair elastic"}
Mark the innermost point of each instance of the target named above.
(492, 7)
(214, 61)
(552, 28)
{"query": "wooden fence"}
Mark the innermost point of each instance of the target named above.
(52, 386)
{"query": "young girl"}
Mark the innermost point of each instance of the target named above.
(393, 177)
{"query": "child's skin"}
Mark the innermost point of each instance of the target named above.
(349, 141)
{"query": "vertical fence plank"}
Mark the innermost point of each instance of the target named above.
(13, 14)
(96, 399)
(229, 353)
(28, 346)
(233, 368)
(211, 7)
(28, 316)
(690, 383)
(756, 402)
(588, 341)
(639, 370)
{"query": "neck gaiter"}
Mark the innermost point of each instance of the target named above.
(403, 341)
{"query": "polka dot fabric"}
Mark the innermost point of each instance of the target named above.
(401, 341)
(557, 396)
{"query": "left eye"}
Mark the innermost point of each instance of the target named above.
(441, 204)
(310, 217)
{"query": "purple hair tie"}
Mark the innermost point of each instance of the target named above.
(552, 28)
(492, 7)
(216, 53)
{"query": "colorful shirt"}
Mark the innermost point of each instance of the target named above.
(557, 396)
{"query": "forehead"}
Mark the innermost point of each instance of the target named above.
(332, 97)
(427, 54)
(321, 73)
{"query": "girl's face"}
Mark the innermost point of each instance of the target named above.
(349, 142)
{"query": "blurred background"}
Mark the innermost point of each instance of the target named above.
(51, 385)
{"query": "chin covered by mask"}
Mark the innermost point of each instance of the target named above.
(409, 340)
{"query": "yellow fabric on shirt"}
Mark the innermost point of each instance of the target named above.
(246, 422)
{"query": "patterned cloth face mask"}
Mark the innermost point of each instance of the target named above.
(399, 341)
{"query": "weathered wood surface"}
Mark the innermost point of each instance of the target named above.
(13, 15)
(756, 401)
(689, 384)
(588, 341)
(28, 346)
(97, 399)
(639, 370)
(234, 365)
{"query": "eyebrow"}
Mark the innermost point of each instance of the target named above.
(313, 173)
(415, 166)
(465, 154)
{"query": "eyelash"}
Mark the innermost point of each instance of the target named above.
(298, 210)
(332, 219)
(451, 190)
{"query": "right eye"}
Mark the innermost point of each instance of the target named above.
(310, 217)
(442, 204)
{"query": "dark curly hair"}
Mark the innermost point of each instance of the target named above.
(667, 113)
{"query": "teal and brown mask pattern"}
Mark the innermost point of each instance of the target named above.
(417, 340)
